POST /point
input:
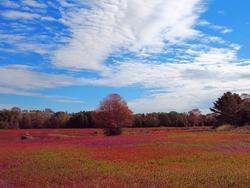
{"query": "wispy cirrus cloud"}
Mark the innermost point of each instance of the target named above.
(54, 98)
(27, 78)
(221, 29)
(25, 81)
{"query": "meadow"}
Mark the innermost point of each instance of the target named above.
(146, 157)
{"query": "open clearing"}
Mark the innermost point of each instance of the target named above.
(149, 157)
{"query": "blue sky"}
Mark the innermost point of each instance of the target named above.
(159, 55)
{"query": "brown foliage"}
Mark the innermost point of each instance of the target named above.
(113, 112)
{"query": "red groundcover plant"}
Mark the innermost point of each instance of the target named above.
(113, 114)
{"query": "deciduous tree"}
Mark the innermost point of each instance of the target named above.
(113, 114)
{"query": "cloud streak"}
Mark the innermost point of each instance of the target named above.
(20, 15)
(24, 81)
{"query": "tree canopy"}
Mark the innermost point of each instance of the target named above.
(113, 112)
(227, 108)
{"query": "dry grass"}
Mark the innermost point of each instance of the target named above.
(226, 127)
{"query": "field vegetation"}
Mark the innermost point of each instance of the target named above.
(141, 157)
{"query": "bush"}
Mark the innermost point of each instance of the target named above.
(113, 131)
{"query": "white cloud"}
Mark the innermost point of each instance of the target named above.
(33, 3)
(24, 77)
(171, 86)
(7, 106)
(182, 86)
(221, 29)
(24, 15)
(217, 56)
(19, 15)
(25, 3)
(181, 101)
(22, 80)
(9, 3)
(133, 25)
(54, 98)
(226, 30)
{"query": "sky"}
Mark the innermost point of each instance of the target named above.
(159, 55)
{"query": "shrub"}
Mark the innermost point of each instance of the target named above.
(113, 131)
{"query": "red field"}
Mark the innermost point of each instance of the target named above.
(157, 157)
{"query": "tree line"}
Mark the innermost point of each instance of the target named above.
(35, 119)
(18, 119)
(230, 108)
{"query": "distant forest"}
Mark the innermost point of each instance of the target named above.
(230, 108)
